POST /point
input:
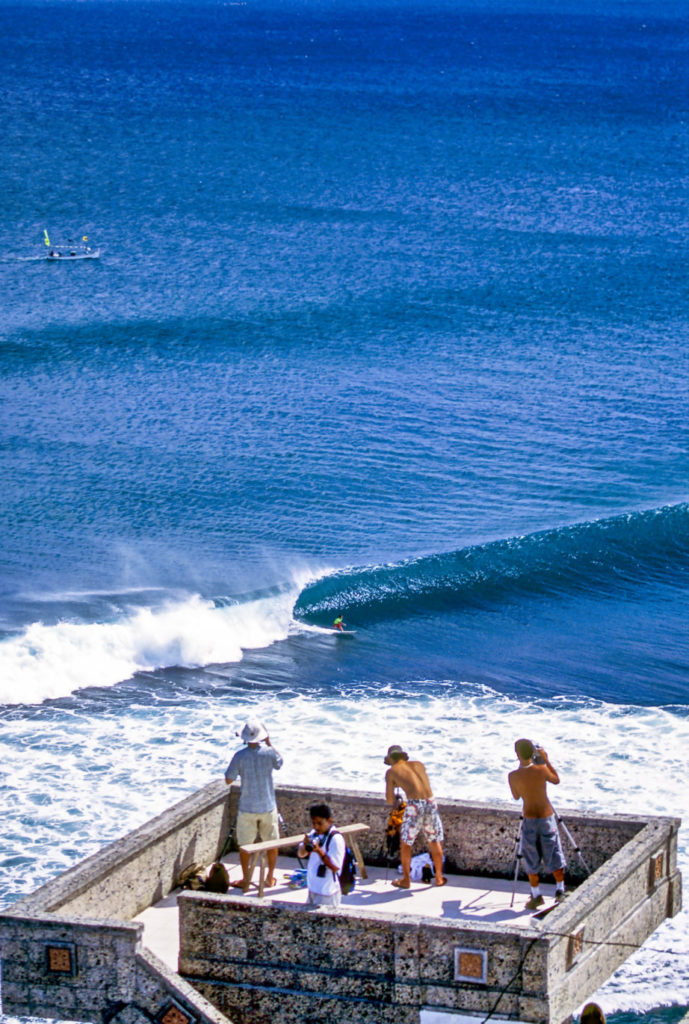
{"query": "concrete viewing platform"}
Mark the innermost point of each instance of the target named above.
(112, 941)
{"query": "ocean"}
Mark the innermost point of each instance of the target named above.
(390, 320)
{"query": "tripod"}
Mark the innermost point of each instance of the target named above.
(517, 855)
(572, 842)
(518, 849)
(575, 847)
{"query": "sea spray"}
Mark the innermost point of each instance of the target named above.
(49, 661)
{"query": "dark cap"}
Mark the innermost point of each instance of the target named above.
(395, 753)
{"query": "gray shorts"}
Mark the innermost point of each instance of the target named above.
(541, 842)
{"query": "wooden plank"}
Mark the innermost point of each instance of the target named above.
(258, 851)
(280, 844)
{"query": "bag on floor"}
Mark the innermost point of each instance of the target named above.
(218, 879)
(191, 877)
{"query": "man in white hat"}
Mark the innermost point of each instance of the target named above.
(257, 812)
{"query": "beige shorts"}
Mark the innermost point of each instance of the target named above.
(248, 824)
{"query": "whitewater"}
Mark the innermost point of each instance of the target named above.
(103, 773)
(47, 661)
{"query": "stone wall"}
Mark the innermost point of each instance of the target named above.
(97, 971)
(480, 838)
(259, 962)
(613, 914)
(264, 964)
(52, 966)
(67, 949)
(132, 873)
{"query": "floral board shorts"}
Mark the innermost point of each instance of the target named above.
(418, 815)
(541, 841)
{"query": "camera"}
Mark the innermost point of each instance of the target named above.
(537, 759)
(308, 846)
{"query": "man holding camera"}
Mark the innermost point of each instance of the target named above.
(257, 811)
(540, 838)
(420, 813)
(326, 849)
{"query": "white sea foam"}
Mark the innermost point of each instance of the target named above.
(75, 781)
(47, 661)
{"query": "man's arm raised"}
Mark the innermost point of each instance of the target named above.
(389, 787)
(550, 773)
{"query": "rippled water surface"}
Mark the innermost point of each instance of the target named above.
(389, 321)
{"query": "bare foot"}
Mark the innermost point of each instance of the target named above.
(269, 882)
(399, 883)
(441, 881)
(241, 884)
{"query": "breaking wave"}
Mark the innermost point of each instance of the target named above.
(47, 661)
(609, 558)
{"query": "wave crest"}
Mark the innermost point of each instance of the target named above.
(606, 555)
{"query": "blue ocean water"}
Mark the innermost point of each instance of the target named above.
(390, 320)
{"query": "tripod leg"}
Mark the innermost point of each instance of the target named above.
(518, 858)
(573, 843)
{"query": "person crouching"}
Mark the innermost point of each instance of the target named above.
(325, 848)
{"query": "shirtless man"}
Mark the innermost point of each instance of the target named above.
(420, 813)
(540, 838)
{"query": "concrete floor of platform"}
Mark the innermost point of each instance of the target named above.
(465, 897)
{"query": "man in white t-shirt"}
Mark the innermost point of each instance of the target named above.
(326, 852)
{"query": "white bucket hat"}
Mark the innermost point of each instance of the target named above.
(254, 731)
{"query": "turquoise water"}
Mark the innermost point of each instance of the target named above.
(390, 320)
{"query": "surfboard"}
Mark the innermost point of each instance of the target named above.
(342, 632)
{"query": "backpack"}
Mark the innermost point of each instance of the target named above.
(392, 830)
(347, 875)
